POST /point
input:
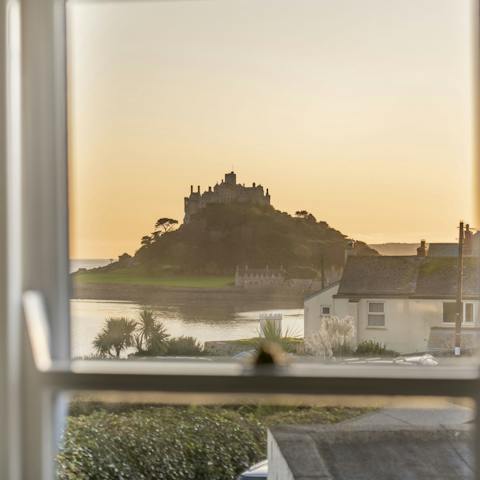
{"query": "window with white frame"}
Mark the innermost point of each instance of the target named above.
(44, 216)
(376, 314)
(468, 312)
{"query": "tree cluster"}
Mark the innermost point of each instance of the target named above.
(148, 337)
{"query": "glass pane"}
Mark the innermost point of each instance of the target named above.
(375, 307)
(376, 320)
(222, 157)
(449, 312)
(383, 440)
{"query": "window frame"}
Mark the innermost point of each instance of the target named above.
(34, 256)
(381, 314)
(464, 313)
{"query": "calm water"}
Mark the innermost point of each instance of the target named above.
(224, 318)
(76, 264)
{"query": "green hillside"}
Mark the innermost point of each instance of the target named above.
(220, 237)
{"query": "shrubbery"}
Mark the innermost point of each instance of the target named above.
(127, 441)
(162, 443)
(334, 337)
(371, 347)
(184, 346)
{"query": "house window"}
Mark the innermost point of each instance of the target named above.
(376, 314)
(325, 310)
(468, 313)
(449, 312)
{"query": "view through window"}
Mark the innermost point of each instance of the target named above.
(286, 177)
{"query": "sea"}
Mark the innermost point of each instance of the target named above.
(199, 314)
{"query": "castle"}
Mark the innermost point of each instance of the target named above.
(228, 191)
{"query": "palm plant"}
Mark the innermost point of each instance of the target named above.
(116, 335)
(152, 336)
(271, 331)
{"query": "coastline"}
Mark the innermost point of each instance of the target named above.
(150, 294)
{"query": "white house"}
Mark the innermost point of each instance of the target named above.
(407, 303)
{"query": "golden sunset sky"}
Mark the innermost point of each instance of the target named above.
(358, 111)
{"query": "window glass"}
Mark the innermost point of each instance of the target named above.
(449, 312)
(468, 313)
(198, 135)
(425, 439)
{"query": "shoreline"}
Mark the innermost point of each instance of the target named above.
(150, 293)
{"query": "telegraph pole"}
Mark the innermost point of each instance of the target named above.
(459, 303)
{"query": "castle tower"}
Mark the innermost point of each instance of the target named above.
(231, 178)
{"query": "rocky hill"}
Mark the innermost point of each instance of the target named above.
(220, 237)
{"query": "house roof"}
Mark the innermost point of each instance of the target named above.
(443, 250)
(347, 452)
(416, 277)
(324, 289)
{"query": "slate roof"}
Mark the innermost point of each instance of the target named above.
(346, 452)
(443, 250)
(411, 277)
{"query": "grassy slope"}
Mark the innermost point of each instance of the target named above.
(125, 278)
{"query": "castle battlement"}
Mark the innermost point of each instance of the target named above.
(228, 191)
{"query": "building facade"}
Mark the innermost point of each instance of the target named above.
(406, 303)
(225, 192)
(259, 277)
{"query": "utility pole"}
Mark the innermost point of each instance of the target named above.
(322, 269)
(459, 303)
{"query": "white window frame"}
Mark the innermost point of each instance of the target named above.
(322, 308)
(464, 315)
(34, 257)
(376, 314)
(464, 318)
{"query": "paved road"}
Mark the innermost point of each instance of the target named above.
(449, 416)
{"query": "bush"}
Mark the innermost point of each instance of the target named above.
(334, 338)
(371, 347)
(184, 346)
(162, 443)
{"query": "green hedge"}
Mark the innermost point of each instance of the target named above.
(130, 441)
(160, 443)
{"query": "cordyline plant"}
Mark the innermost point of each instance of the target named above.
(271, 331)
(334, 337)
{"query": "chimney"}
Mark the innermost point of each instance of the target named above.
(468, 241)
(422, 249)
(253, 184)
(198, 188)
(191, 188)
(209, 189)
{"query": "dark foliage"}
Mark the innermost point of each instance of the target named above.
(220, 237)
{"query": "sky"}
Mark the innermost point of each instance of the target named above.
(357, 111)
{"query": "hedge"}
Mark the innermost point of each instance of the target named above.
(160, 443)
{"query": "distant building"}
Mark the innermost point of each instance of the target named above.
(406, 303)
(471, 246)
(226, 192)
(259, 277)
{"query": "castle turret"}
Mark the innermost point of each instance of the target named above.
(231, 178)
(228, 191)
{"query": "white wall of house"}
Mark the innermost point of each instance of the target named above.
(278, 468)
(407, 321)
(314, 307)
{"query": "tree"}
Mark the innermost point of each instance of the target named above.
(165, 225)
(305, 215)
(146, 240)
(152, 337)
(301, 213)
(116, 335)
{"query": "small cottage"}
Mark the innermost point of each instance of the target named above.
(406, 303)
